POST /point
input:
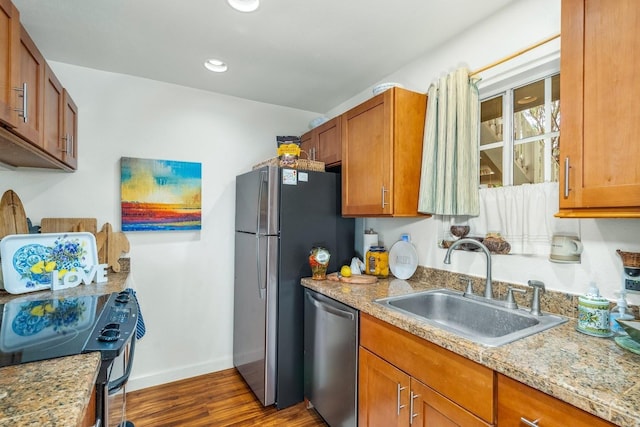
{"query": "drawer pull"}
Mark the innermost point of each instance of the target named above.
(528, 423)
(566, 177)
(22, 112)
(384, 203)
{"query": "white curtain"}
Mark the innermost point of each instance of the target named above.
(522, 214)
(450, 174)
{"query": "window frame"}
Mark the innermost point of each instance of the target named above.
(504, 87)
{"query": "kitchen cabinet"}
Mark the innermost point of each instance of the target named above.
(28, 95)
(521, 405)
(599, 151)
(406, 380)
(382, 155)
(38, 118)
(9, 62)
(323, 143)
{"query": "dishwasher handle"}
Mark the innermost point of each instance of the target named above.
(328, 307)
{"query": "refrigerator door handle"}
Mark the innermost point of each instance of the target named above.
(329, 308)
(262, 289)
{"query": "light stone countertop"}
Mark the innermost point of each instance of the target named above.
(55, 392)
(591, 373)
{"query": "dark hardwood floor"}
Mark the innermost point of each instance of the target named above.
(217, 399)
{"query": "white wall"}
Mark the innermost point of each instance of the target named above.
(184, 279)
(521, 24)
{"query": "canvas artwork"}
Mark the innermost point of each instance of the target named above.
(160, 195)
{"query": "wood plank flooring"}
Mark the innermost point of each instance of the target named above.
(216, 399)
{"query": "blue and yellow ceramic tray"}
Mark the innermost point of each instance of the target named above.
(28, 260)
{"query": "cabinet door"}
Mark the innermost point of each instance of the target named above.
(518, 402)
(329, 142)
(9, 61)
(431, 409)
(53, 114)
(70, 129)
(367, 150)
(29, 120)
(599, 147)
(308, 144)
(383, 393)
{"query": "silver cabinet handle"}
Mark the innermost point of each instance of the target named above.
(413, 397)
(529, 423)
(399, 406)
(384, 190)
(68, 146)
(23, 111)
(566, 177)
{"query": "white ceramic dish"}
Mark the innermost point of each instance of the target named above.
(28, 259)
(403, 260)
(384, 86)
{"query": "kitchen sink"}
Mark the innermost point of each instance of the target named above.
(483, 322)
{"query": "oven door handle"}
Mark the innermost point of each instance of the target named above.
(115, 385)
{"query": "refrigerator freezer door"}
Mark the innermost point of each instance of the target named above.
(257, 201)
(254, 314)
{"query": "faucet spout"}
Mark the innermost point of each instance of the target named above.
(488, 291)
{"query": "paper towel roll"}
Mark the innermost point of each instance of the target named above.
(369, 239)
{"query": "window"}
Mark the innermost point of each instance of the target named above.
(520, 131)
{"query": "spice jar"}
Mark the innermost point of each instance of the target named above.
(377, 262)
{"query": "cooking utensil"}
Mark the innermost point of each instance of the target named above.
(13, 220)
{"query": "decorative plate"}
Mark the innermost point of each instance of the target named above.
(403, 260)
(28, 260)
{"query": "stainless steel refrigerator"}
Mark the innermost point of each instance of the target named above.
(280, 215)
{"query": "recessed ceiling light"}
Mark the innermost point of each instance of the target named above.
(215, 65)
(244, 5)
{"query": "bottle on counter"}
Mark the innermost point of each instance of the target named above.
(620, 311)
(593, 313)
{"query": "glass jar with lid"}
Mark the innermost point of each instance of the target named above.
(377, 262)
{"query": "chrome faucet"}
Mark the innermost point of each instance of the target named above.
(488, 292)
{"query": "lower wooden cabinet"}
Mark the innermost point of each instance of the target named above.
(405, 380)
(520, 405)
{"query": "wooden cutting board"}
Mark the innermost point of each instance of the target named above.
(356, 279)
(64, 225)
(13, 220)
(111, 245)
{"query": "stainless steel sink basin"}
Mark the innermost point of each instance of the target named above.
(479, 321)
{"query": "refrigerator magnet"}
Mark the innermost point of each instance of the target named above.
(289, 176)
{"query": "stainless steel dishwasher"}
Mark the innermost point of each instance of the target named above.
(331, 359)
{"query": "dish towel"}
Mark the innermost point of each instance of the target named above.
(141, 329)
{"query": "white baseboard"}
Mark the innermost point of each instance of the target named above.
(180, 373)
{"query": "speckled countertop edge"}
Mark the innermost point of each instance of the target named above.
(591, 373)
(52, 392)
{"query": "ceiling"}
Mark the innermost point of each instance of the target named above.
(305, 54)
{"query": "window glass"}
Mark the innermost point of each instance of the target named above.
(491, 121)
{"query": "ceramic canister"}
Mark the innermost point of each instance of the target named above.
(593, 315)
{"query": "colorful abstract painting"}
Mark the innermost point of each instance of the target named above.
(160, 195)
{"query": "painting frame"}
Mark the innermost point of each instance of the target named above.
(160, 195)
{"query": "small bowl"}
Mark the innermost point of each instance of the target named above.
(632, 327)
(460, 230)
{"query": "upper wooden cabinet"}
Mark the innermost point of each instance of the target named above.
(382, 154)
(38, 119)
(599, 149)
(9, 61)
(324, 143)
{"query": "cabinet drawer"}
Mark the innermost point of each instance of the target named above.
(465, 382)
(516, 400)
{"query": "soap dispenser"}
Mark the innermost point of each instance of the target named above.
(620, 311)
(593, 313)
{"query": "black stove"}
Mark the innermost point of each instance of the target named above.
(33, 330)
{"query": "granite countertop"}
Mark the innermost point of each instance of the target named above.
(591, 373)
(52, 392)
